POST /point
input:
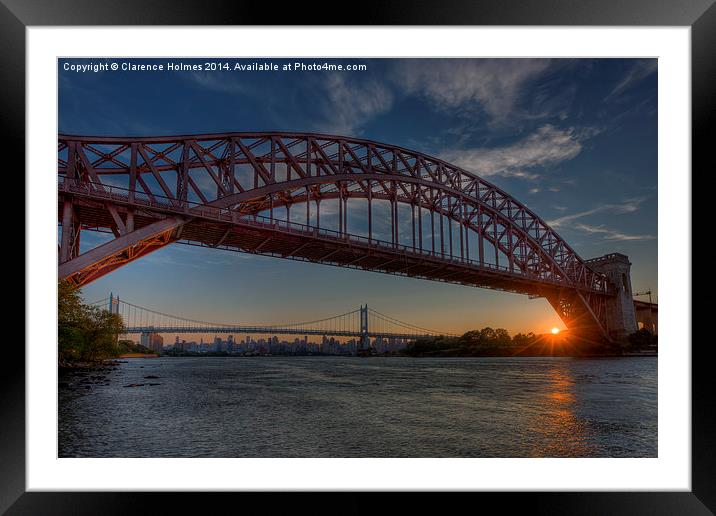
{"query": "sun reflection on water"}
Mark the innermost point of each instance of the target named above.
(564, 433)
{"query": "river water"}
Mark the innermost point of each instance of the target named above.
(363, 407)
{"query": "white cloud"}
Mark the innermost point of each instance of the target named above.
(547, 146)
(640, 70)
(224, 82)
(611, 234)
(350, 104)
(628, 206)
(345, 102)
(494, 85)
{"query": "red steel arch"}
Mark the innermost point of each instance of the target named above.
(223, 190)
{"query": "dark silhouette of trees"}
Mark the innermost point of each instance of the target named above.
(642, 339)
(485, 342)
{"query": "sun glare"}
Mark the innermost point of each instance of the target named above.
(555, 331)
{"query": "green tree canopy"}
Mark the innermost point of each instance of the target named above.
(85, 333)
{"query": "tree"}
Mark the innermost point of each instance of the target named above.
(521, 340)
(85, 333)
(71, 317)
(101, 331)
(487, 335)
(502, 337)
(129, 346)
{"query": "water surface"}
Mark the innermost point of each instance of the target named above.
(364, 407)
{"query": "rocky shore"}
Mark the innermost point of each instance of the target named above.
(83, 375)
(80, 376)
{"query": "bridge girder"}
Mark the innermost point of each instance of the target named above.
(228, 185)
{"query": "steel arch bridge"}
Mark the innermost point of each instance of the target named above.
(263, 193)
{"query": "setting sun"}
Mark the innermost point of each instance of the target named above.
(555, 331)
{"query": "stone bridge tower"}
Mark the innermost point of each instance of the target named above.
(621, 317)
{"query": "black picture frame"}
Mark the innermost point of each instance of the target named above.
(17, 15)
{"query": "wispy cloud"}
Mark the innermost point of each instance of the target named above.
(628, 206)
(349, 104)
(639, 70)
(611, 234)
(224, 82)
(492, 85)
(571, 221)
(547, 146)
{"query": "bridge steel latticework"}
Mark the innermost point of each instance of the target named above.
(245, 192)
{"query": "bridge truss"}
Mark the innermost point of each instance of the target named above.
(267, 193)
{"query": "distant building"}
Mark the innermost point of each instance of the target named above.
(152, 341)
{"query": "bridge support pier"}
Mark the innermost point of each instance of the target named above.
(620, 314)
(70, 236)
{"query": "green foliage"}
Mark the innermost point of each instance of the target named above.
(129, 346)
(69, 319)
(85, 333)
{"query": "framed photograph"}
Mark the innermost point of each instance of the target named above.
(425, 255)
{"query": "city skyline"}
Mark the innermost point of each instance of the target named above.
(267, 343)
(573, 139)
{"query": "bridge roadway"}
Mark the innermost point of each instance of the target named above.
(221, 228)
(259, 330)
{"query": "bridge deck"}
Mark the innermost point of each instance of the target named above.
(261, 330)
(216, 228)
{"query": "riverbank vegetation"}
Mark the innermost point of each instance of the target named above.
(498, 342)
(86, 334)
(643, 340)
(484, 342)
(125, 347)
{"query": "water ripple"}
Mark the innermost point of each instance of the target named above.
(364, 407)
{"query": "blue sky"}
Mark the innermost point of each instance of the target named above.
(574, 139)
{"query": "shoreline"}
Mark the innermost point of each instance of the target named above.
(595, 355)
(82, 376)
(110, 364)
(100, 365)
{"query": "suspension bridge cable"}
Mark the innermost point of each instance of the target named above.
(144, 315)
(404, 324)
(348, 321)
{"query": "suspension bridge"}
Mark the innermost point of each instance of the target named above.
(363, 322)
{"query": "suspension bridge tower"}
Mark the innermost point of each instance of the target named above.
(364, 344)
(113, 303)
